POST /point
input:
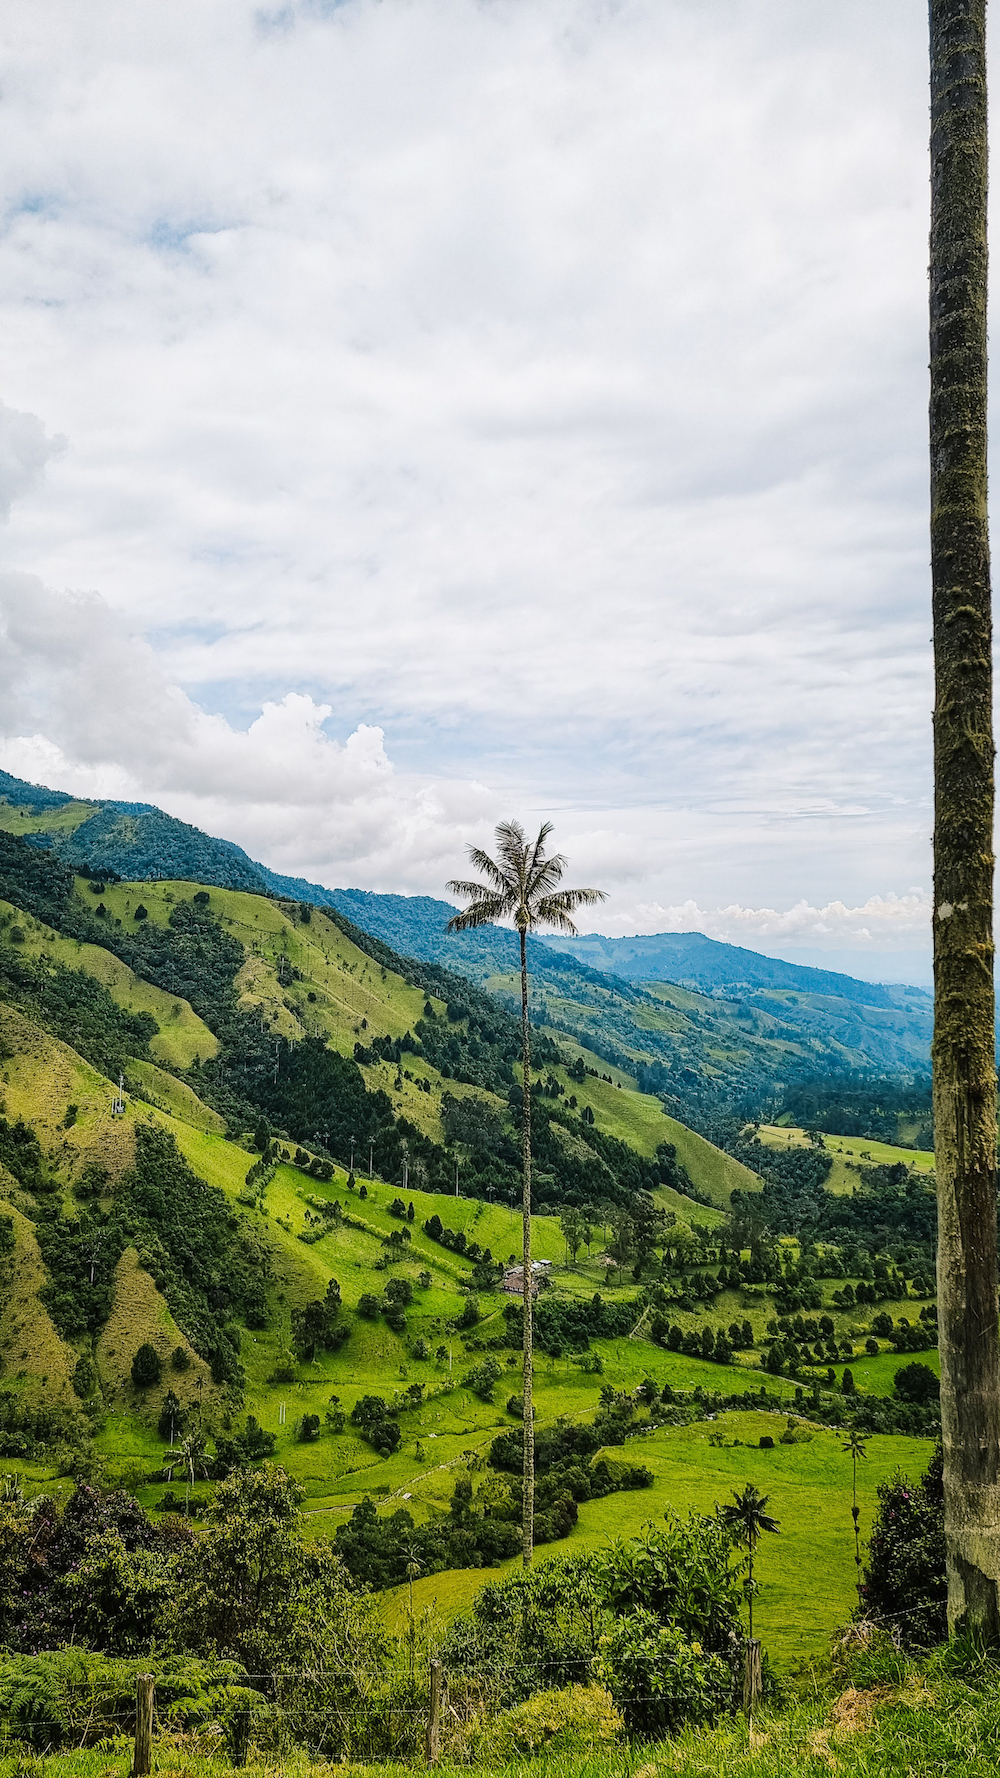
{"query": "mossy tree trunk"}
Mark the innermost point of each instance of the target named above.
(528, 1423)
(964, 1064)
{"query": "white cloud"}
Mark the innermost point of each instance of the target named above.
(530, 396)
(883, 923)
(301, 801)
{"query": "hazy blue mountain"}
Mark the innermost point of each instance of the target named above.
(706, 963)
(684, 1014)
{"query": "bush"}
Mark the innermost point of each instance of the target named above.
(147, 1366)
(483, 1378)
(579, 1719)
(658, 1678)
(74, 1696)
(904, 1581)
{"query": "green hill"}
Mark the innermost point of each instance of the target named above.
(724, 1024)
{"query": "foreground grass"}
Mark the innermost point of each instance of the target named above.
(898, 1719)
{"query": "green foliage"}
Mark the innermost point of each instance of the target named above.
(659, 1679)
(916, 1382)
(574, 1721)
(21, 1154)
(905, 1584)
(253, 1590)
(147, 1366)
(320, 1324)
(655, 1619)
(483, 1378)
(75, 1697)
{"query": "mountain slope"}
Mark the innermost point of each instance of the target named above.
(685, 1016)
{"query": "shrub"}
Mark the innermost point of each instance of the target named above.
(578, 1719)
(658, 1678)
(147, 1366)
(905, 1580)
(483, 1378)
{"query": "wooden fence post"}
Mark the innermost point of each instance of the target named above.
(434, 1718)
(751, 1676)
(142, 1764)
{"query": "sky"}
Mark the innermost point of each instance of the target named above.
(421, 412)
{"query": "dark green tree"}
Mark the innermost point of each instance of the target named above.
(147, 1366)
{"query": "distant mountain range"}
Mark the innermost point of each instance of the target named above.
(684, 1014)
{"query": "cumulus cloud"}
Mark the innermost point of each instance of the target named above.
(480, 409)
(883, 922)
(110, 724)
(25, 448)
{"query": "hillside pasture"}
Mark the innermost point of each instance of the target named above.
(850, 1154)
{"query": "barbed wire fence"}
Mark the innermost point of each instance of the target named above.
(388, 1713)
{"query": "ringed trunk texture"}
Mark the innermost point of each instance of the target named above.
(963, 1053)
(528, 1422)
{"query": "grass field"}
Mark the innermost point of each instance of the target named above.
(850, 1154)
(806, 1573)
(65, 819)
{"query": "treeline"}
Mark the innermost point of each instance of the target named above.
(856, 1105)
(484, 1528)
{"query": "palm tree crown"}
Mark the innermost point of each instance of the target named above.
(522, 884)
(748, 1518)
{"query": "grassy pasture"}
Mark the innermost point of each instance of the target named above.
(806, 1573)
(66, 819)
(850, 1154)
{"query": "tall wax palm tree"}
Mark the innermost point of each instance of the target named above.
(855, 1446)
(964, 1063)
(522, 884)
(748, 1519)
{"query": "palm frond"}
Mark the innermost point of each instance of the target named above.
(538, 850)
(481, 912)
(472, 890)
(547, 874)
(556, 910)
(492, 871)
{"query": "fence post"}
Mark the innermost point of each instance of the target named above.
(751, 1676)
(434, 1718)
(240, 1737)
(142, 1764)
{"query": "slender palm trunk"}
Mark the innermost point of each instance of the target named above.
(528, 1521)
(964, 1065)
(750, 1587)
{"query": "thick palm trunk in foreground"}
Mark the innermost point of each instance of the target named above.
(528, 1520)
(964, 1066)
